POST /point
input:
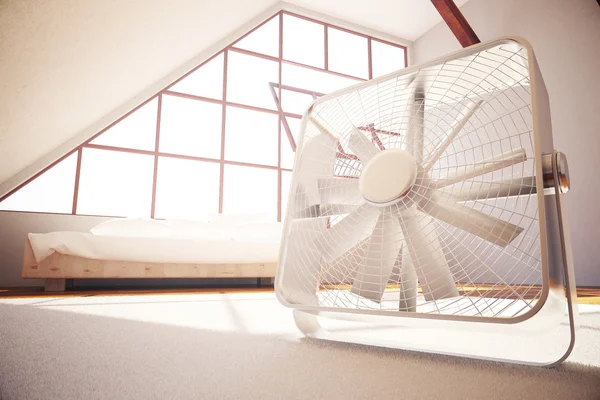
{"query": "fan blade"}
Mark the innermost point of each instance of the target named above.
(479, 224)
(416, 115)
(337, 196)
(339, 191)
(458, 125)
(341, 237)
(318, 155)
(298, 282)
(491, 190)
(374, 272)
(427, 257)
(488, 165)
(408, 282)
(361, 146)
(324, 210)
(316, 160)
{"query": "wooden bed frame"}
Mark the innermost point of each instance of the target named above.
(58, 267)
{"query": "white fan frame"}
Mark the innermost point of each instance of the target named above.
(543, 336)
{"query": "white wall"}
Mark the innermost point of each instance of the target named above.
(14, 227)
(565, 36)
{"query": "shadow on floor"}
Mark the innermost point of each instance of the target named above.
(51, 354)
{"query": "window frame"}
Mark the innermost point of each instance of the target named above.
(284, 132)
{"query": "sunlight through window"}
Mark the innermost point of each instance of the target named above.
(190, 127)
(115, 183)
(250, 190)
(303, 41)
(251, 136)
(186, 189)
(214, 140)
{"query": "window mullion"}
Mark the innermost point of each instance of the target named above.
(223, 114)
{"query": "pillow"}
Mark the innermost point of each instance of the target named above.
(259, 232)
(187, 229)
(233, 220)
(133, 227)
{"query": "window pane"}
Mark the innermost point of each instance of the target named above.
(115, 183)
(295, 102)
(248, 80)
(317, 81)
(287, 154)
(206, 81)
(186, 189)
(249, 190)
(50, 192)
(190, 127)
(294, 124)
(386, 58)
(303, 41)
(286, 180)
(348, 53)
(251, 136)
(264, 40)
(137, 131)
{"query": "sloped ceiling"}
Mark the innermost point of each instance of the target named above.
(65, 64)
(407, 19)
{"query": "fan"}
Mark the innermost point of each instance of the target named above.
(428, 202)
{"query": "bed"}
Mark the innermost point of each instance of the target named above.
(138, 248)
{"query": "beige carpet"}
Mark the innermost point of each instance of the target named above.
(244, 346)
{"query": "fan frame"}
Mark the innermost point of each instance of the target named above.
(555, 250)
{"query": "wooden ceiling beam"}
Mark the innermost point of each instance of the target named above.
(456, 22)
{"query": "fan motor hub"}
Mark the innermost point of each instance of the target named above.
(388, 177)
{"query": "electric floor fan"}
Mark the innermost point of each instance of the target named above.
(426, 213)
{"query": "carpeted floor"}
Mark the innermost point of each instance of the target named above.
(244, 346)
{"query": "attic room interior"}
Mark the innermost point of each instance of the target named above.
(300, 199)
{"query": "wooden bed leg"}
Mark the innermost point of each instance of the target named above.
(55, 285)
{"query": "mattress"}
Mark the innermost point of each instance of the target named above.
(153, 249)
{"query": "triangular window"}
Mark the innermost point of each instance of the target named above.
(219, 139)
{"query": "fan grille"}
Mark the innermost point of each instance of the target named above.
(471, 217)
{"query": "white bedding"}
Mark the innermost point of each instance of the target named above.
(192, 250)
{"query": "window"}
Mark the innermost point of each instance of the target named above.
(52, 191)
(250, 190)
(219, 139)
(251, 136)
(190, 127)
(303, 41)
(317, 81)
(206, 81)
(137, 131)
(115, 183)
(386, 58)
(348, 53)
(248, 79)
(287, 154)
(295, 102)
(263, 40)
(186, 189)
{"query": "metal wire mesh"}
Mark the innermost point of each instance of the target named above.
(465, 240)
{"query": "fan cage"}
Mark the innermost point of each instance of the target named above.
(503, 281)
